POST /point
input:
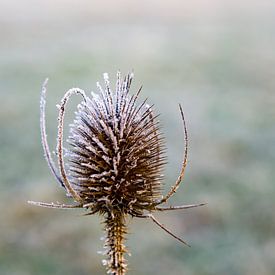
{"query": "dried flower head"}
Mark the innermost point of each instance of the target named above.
(115, 160)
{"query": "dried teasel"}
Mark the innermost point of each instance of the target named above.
(115, 160)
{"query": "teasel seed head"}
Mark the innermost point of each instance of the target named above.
(114, 162)
(117, 151)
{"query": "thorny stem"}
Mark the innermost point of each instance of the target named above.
(114, 243)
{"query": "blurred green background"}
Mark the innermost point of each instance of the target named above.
(215, 57)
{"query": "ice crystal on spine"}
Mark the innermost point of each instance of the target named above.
(114, 162)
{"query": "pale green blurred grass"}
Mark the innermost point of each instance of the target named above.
(218, 60)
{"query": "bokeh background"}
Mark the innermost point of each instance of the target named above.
(217, 58)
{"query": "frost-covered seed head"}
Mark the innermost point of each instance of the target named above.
(117, 152)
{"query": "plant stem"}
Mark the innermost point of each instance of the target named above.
(114, 243)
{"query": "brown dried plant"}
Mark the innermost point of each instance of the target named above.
(115, 160)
